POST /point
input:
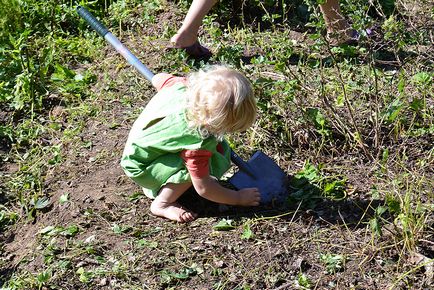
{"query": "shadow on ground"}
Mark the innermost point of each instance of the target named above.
(354, 213)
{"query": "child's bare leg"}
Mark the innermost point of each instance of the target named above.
(165, 205)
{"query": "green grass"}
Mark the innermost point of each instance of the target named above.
(354, 127)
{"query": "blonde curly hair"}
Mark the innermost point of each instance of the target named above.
(220, 100)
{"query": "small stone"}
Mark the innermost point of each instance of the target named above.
(103, 282)
(219, 264)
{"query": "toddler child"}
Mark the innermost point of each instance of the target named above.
(177, 141)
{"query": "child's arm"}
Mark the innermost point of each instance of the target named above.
(210, 189)
(197, 163)
(162, 80)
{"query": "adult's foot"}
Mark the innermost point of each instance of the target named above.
(172, 211)
(191, 45)
(183, 39)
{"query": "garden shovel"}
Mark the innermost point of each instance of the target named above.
(260, 171)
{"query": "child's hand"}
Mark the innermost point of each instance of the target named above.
(249, 197)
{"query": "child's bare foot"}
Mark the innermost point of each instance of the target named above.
(249, 197)
(173, 211)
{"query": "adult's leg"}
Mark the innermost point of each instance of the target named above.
(187, 34)
(333, 17)
(165, 205)
(338, 28)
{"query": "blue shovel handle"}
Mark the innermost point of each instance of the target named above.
(242, 165)
(110, 38)
(93, 22)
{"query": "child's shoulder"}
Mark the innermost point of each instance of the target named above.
(165, 80)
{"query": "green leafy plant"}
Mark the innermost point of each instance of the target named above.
(230, 55)
(64, 198)
(311, 184)
(224, 225)
(72, 82)
(51, 231)
(146, 243)
(247, 232)
(168, 277)
(319, 121)
(120, 229)
(334, 263)
(84, 276)
(375, 222)
(7, 217)
(303, 281)
(43, 278)
(10, 18)
(394, 31)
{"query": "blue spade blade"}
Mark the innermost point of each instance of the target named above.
(261, 172)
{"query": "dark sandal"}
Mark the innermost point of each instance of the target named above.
(337, 40)
(198, 51)
(355, 37)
